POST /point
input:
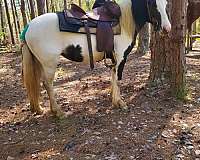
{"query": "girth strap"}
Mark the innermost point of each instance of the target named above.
(87, 30)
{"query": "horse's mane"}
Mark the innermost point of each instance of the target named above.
(126, 20)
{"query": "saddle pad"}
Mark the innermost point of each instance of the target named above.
(65, 26)
(23, 33)
(70, 24)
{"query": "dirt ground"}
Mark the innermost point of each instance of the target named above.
(156, 126)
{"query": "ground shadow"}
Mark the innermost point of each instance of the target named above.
(94, 130)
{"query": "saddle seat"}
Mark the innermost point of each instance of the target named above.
(108, 12)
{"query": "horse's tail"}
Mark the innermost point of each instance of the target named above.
(31, 72)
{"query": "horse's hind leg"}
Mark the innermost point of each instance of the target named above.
(48, 84)
(116, 97)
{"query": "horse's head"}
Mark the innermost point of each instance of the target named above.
(158, 14)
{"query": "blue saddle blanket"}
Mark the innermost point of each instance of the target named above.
(76, 25)
(72, 24)
(65, 26)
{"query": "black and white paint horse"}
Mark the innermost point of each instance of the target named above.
(44, 43)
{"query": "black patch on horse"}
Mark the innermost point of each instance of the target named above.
(73, 53)
(146, 11)
(121, 65)
(126, 53)
(155, 17)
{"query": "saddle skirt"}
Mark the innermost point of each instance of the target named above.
(102, 21)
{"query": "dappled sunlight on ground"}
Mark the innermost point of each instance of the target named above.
(156, 126)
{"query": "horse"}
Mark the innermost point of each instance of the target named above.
(44, 43)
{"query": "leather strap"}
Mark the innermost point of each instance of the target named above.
(87, 30)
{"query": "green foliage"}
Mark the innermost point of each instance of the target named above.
(87, 4)
(198, 26)
(1, 35)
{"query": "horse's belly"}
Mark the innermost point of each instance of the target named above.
(97, 56)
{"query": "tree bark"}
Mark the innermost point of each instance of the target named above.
(144, 39)
(17, 17)
(9, 22)
(159, 46)
(87, 2)
(32, 9)
(14, 17)
(65, 4)
(2, 20)
(159, 69)
(177, 44)
(23, 11)
(47, 6)
(168, 52)
(40, 7)
(79, 3)
(52, 6)
(28, 11)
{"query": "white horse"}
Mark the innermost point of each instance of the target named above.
(44, 43)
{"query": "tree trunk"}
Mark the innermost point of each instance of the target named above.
(87, 2)
(9, 22)
(177, 44)
(194, 29)
(28, 11)
(14, 17)
(23, 11)
(144, 37)
(17, 17)
(32, 10)
(159, 69)
(65, 4)
(168, 52)
(2, 20)
(79, 3)
(159, 46)
(40, 7)
(47, 6)
(52, 6)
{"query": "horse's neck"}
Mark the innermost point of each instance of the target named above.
(126, 21)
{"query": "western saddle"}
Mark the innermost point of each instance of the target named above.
(103, 19)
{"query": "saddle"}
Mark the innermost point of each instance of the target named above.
(102, 21)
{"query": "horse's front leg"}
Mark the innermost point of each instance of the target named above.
(115, 90)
